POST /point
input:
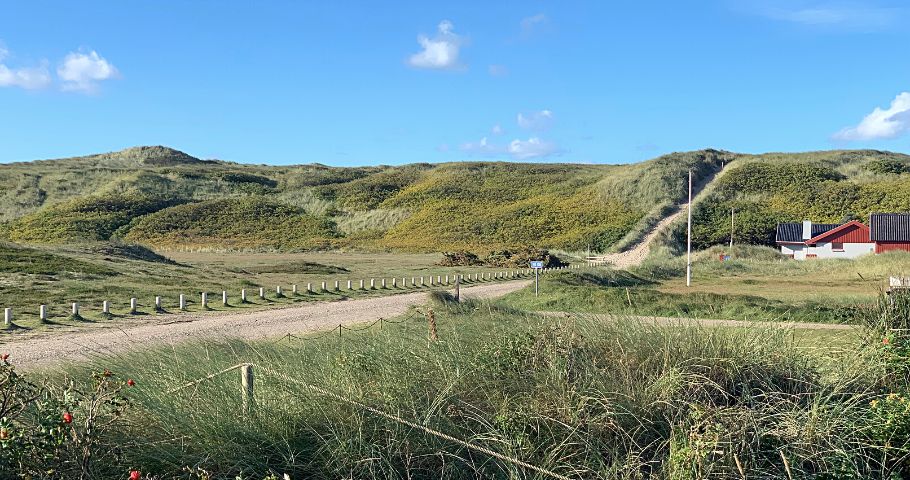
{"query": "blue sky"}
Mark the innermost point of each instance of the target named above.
(355, 83)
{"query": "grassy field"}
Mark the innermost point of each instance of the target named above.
(92, 273)
(581, 398)
(756, 285)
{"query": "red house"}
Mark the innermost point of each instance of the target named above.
(886, 232)
(890, 231)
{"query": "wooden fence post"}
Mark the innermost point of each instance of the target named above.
(457, 288)
(246, 388)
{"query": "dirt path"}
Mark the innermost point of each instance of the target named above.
(50, 348)
(639, 251)
(704, 322)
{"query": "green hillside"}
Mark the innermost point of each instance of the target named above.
(830, 187)
(167, 199)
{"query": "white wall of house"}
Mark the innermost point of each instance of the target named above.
(825, 250)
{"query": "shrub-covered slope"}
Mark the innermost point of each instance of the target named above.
(825, 187)
(165, 198)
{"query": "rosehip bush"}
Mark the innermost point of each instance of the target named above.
(57, 430)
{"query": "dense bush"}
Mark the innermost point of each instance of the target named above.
(85, 219)
(501, 258)
(246, 222)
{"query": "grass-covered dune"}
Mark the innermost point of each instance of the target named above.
(164, 198)
(478, 206)
(826, 187)
(575, 396)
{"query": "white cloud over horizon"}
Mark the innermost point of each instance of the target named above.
(83, 72)
(537, 121)
(881, 124)
(29, 78)
(440, 52)
(517, 149)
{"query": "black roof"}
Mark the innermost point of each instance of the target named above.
(889, 227)
(793, 232)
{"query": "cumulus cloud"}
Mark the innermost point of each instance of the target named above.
(83, 72)
(537, 121)
(532, 148)
(440, 52)
(30, 78)
(881, 124)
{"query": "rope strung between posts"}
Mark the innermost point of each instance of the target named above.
(396, 418)
(208, 377)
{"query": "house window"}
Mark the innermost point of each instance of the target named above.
(837, 246)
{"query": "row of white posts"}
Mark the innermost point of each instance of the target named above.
(416, 282)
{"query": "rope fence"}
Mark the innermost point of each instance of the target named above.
(247, 389)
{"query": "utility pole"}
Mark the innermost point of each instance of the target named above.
(731, 228)
(689, 236)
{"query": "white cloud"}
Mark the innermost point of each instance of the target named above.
(82, 72)
(497, 129)
(532, 148)
(498, 70)
(440, 52)
(881, 124)
(832, 14)
(30, 78)
(529, 24)
(538, 121)
(483, 147)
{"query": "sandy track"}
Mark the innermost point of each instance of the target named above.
(48, 348)
(705, 322)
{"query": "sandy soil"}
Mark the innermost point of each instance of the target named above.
(49, 348)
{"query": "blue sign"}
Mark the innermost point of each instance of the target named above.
(538, 264)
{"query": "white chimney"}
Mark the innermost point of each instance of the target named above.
(807, 229)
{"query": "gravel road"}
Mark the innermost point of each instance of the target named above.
(46, 348)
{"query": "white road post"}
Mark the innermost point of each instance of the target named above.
(242, 295)
(361, 284)
(157, 303)
(132, 307)
(106, 307)
(224, 297)
(205, 299)
(383, 284)
(262, 293)
(394, 282)
(349, 285)
(294, 289)
(309, 288)
(322, 288)
(182, 302)
(278, 290)
(42, 313)
(372, 284)
(7, 317)
(337, 286)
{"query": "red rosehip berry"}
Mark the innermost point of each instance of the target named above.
(135, 474)
(67, 417)
(885, 341)
(4, 357)
(131, 382)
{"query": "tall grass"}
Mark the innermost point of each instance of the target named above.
(584, 398)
